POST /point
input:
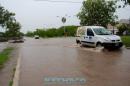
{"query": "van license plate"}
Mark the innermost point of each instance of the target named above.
(117, 44)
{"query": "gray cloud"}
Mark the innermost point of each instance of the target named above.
(34, 14)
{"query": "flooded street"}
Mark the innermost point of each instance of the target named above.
(2, 46)
(61, 57)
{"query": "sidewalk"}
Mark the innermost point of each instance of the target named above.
(6, 72)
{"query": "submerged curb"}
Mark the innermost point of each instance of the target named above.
(17, 73)
(127, 47)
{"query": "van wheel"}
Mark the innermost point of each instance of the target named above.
(98, 44)
(78, 42)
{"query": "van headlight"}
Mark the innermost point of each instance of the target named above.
(108, 40)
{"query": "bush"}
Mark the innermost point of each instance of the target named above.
(122, 28)
(2, 37)
(29, 34)
(4, 55)
(54, 32)
(126, 40)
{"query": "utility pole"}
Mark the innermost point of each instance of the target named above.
(63, 20)
(129, 22)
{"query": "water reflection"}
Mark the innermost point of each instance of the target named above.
(107, 68)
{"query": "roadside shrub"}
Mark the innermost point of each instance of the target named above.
(29, 34)
(122, 28)
(54, 32)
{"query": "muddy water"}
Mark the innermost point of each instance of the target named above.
(60, 57)
(3, 45)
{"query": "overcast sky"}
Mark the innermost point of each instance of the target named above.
(34, 14)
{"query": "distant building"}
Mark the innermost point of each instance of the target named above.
(113, 29)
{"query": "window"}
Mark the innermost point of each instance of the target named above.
(90, 32)
(101, 31)
(81, 32)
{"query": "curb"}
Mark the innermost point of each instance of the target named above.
(127, 47)
(17, 73)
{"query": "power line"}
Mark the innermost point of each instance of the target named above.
(58, 1)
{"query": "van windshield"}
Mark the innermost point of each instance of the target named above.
(101, 31)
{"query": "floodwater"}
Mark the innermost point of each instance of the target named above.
(3, 45)
(61, 57)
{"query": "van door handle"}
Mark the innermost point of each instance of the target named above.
(85, 37)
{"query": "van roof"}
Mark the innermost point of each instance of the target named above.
(92, 26)
(79, 28)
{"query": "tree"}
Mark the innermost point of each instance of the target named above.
(8, 21)
(29, 34)
(97, 12)
(126, 1)
(13, 29)
(5, 16)
(122, 28)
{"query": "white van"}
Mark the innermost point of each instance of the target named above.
(97, 36)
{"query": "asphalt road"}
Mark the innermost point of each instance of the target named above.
(62, 58)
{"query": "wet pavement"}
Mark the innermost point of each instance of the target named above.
(61, 57)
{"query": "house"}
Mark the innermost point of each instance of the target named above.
(113, 29)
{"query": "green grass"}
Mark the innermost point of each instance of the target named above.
(4, 55)
(126, 40)
(10, 83)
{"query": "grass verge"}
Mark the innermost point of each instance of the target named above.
(4, 55)
(11, 81)
(126, 40)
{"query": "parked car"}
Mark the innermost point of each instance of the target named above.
(96, 36)
(16, 40)
(36, 37)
